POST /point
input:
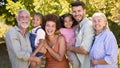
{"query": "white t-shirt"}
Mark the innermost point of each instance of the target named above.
(39, 35)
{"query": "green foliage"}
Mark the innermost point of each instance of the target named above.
(51, 6)
(59, 7)
(3, 29)
(111, 9)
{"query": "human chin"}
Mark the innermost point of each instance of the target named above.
(98, 28)
(78, 19)
(23, 25)
(50, 32)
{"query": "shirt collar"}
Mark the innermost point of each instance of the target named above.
(37, 27)
(18, 29)
(101, 33)
(83, 21)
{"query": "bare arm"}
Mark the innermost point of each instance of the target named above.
(86, 42)
(40, 48)
(79, 49)
(62, 49)
(35, 59)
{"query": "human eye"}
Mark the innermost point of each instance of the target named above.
(74, 11)
(99, 20)
(27, 17)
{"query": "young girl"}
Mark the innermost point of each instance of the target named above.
(37, 35)
(68, 31)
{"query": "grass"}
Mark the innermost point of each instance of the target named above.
(5, 63)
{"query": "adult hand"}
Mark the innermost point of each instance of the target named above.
(93, 62)
(70, 60)
(69, 46)
(35, 59)
(83, 50)
(38, 60)
(43, 49)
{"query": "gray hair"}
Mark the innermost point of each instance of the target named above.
(100, 14)
(22, 10)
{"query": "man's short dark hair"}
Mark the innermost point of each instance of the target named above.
(78, 3)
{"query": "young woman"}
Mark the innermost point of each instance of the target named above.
(55, 44)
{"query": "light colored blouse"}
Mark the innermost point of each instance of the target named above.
(19, 48)
(105, 47)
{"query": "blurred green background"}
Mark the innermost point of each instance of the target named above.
(9, 8)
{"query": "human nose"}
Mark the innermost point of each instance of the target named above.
(77, 13)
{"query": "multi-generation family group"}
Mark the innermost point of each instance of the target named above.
(71, 40)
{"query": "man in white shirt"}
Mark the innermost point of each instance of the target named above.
(84, 34)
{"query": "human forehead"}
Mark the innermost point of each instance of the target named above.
(68, 18)
(50, 22)
(77, 8)
(36, 16)
(98, 18)
(24, 13)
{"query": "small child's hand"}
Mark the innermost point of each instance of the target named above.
(32, 54)
(38, 60)
(69, 59)
(43, 50)
(70, 43)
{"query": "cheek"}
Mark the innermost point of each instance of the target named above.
(73, 14)
(65, 24)
(71, 22)
(93, 25)
(38, 23)
(104, 24)
(46, 27)
(53, 28)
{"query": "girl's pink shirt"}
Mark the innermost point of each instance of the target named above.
(69, 34)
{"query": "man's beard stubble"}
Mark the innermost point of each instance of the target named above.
(23, 25)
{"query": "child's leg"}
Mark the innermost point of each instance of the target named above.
(74, 60)
(33, 65)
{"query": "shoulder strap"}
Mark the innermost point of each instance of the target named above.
(37, 29)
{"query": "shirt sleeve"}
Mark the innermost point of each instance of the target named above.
(61, 30)
(88, 35)
(40, 34)
(111, 49)
(13, 42)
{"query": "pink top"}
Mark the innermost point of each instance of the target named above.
(69, 34)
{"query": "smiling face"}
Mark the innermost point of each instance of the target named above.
(36, 21)
(50, 28)
(78, 13)
(23, 19)
(68, 22)
(99, 23)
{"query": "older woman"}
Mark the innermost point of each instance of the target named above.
(104, 50)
